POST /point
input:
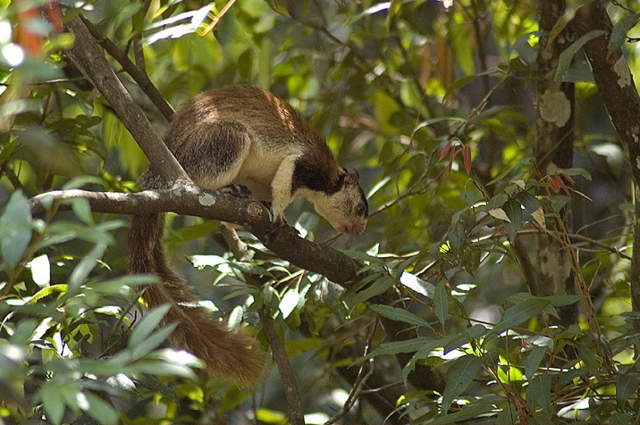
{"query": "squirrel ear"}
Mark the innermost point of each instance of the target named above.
(352, 178)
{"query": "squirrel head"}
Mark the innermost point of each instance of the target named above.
(347, 209)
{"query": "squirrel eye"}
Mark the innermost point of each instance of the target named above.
(361, 210)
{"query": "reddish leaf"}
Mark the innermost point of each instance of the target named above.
(55, 16)
(452, 156)
(563, 186)
(567, 177)
(31, 42)
(466, 155)
(553, 182)
(445, 151)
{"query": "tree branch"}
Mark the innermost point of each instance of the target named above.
(139, 76)
(291, 392)
(191, 200)
(253, 216)
(88, 58)
(620, 96)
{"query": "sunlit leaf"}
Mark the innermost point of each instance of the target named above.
(41, 270)
(147, 325)
(421, 286)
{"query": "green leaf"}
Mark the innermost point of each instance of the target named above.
(85, 266)
(16, 219)
(589, 359)
(398, 314)
(459, 377)
(619, 33)
(78, 182)
(379, 286)
(245, 64)
(473, 411)
(396, 347)
(279, 6)
(82, 210)
(620, 418)
(529, 202)
(192, 232)
(539, 392)
(100, 410)
(562, 300)
(421, 286)
(147, 325)
(461, 82)
(52, 401)
(514, 212)
(452, 341)
(152, 341)
(24, 332)
(534, 358)
(526, 51)
(626, 387)
(566, 57)
(441, 302)
(520, 313)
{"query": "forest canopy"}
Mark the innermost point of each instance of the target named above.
(498, 279)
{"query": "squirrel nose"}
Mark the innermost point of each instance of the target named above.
(353, 229)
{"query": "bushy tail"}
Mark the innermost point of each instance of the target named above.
(233, 355)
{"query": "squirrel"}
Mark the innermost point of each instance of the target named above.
(239, 135)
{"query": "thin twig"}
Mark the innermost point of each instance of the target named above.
(138, 75)
(361, 380)
(292, 394)
(217, 18)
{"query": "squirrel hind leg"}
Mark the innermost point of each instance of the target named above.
(216, 155)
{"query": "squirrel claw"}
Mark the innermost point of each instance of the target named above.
(275, 226)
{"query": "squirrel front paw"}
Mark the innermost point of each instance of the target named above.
(278, 221)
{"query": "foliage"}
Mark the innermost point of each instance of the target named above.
(435, 107)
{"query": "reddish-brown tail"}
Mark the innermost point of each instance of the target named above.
(233, 355)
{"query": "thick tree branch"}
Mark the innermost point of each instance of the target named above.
(89, 59)
(132, 69)
(553, 148)
(191, 200)
(620, 96)
(252, 215)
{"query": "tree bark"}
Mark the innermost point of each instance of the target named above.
(620, 96)
(552, 272)
(89, 59)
